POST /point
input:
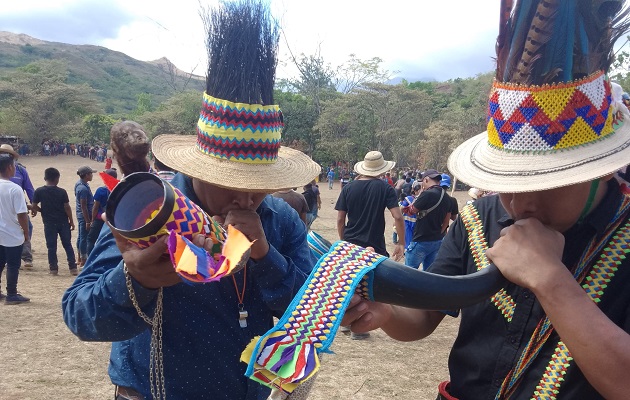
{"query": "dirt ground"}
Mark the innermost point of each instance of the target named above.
(40, 359)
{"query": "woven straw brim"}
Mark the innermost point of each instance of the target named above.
(292, 168)
(360, 169)
(479, 165)
(13, 153)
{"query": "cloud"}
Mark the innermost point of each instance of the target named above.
(84, 22)
(458, 61)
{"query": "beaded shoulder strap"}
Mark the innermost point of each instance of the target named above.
(287, 355)
(611, 248)
(478, 244)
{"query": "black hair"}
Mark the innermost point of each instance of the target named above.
(51, 174)
(6, 160)
(159, 165)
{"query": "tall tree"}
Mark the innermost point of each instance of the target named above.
(356, 73)
(96, 128)
(41, 104)
(178, 114)
(381, 117)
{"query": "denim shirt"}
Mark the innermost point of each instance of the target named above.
(22, 179)
(202, 339)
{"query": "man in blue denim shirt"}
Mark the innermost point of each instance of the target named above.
(202, 337)
(228, 169)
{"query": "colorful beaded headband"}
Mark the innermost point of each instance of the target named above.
(550, 117)
(248, 133)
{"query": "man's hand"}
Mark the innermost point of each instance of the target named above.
(248, 222)
(151, 267)
(364, 316)
(26, 238)
(71, 225)
(88, 225)
(529, 254)
(399, 252)
(33, 212)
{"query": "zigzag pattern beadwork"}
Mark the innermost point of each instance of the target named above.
(550, 117)
(597, 281)
(287, 355)
(549, 385)
(242, 132)
(594, 285)
(478, 245)
(186, 219)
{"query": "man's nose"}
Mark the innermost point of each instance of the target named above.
(244, 200)
(523, 204)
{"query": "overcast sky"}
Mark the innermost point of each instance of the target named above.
(422, 39)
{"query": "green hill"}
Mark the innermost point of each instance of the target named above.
(118, 78)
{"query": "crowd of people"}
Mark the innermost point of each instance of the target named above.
(549, 216)
(96, 152)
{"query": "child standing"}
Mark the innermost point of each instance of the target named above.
(57, 218)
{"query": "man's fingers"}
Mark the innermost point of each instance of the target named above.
(121, 241)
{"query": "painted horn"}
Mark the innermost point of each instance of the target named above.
(398, 284)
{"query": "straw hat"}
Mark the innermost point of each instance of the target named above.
(373, 164)
(237, 145)
(7, 148)
(547, 129)
(290, 168)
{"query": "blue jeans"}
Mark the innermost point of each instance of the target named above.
(93, 234)
(82, 238)
(11, 257)
(27, 253)
(63, 230)
(310, 217)
(421, 253)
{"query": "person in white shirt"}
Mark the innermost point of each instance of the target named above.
(13, 226)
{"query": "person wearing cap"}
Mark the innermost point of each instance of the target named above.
(13, 226)
(22, 179)
(558, 230)
(52, 202)
(98, 208)
(84, 204)
(227, 172)
(432, 209)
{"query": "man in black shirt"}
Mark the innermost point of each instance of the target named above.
(311, 199)
(57, 218)
(363, 201)
(433, 209)
(558, 229)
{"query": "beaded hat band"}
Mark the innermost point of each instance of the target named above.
(552, 119)
(239, 132)
(543, 137)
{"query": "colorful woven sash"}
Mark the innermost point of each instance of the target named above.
(594, 284)
(287, 355)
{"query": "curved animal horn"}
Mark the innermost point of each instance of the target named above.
(398, 284)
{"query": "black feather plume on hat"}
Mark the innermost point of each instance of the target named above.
(242, 44)
(551, 41)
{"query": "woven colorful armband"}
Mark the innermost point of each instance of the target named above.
(287, 355)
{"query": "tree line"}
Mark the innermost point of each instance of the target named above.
(331, 113)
